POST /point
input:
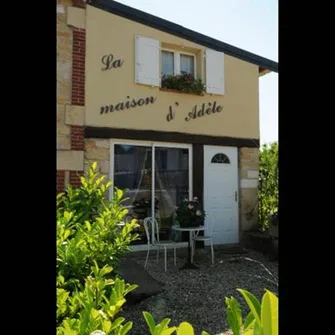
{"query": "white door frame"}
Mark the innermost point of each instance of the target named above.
(153, 145)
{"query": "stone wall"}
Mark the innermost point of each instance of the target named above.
(97, 150)
(70, 95)
(64, 74)
(248, 172)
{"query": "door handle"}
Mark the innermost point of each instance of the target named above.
(235, 196)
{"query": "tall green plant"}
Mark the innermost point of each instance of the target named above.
(268, 183)
(89, 230)
(89, 240)
(85, 201)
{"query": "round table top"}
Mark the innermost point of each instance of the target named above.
(188, 228)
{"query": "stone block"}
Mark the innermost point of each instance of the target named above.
(102, 143)
(63, 143)
(63, 129)
(75, 115)
(72, 160)
(97, 154)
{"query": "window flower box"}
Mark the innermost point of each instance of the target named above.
(177, 91)
(183, 83)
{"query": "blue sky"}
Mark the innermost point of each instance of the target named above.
(248, 24)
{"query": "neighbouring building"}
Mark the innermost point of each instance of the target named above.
(168, 113)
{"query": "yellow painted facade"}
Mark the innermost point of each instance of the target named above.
(236, 112)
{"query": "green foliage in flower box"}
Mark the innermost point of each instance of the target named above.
(185, 82)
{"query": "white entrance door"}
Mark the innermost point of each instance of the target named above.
(221, 193)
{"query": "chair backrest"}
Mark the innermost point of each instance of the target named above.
(151, 231)
(209, 224)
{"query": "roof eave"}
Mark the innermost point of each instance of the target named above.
(136, 15)
(262, 71)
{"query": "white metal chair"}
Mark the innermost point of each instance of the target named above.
(152, 233)
(208, 236)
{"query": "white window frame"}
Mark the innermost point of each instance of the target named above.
(176, 62)
(153, 145)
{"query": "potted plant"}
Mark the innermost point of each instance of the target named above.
(189, 213)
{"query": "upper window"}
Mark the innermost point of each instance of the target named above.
(174, 63)
(220, 159)
(187, 63)
(167, 63)
(152, 61)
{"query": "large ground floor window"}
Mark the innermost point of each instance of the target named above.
(157, 177)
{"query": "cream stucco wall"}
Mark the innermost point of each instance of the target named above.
(108, 33)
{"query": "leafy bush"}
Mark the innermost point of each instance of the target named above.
(268, 183)
(89, 230)
(92, 308)
(87, 200)
(184, 82)
(89, 240)
(262, 318)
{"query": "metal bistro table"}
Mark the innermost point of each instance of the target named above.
(191, 230)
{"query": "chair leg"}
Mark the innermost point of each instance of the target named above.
(212, 249)
(192, 247)
(146, 260)
(165, 258)
(157, 254)
(175, 258)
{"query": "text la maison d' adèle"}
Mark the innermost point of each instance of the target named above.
(196, 112)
